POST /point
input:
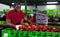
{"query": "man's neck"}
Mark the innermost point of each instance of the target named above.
(17, 10)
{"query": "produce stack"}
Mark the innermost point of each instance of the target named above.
(39, 28)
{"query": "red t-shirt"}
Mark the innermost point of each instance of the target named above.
(15, 18)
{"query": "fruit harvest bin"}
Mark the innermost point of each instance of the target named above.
(8, 33)
(14, 33)
(37, 34)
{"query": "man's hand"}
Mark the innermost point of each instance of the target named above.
(17, 27)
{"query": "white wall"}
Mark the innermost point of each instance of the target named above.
(44, 7)
(2, 6)
(30, 7)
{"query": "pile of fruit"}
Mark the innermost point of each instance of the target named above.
(39, 28)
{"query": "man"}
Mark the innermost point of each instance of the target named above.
(16, 16)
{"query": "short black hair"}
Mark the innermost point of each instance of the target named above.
(17, 3)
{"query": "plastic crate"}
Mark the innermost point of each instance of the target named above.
(33, 34)
(8, 33)
(30, 33)
(23, 34)
(26, 33)
(54, 34)
(43, 34)
(59, 35)
(20, 34)
(48, 34)
(38, 34)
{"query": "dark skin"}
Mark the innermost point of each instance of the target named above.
(17, 7)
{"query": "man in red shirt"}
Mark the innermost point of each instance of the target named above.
(16, 16)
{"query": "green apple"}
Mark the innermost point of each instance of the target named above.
(26, 23)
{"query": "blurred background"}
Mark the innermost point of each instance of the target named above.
(50, 7)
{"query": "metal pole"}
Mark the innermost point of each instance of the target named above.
(35, 12)
(35, 7)
(10, 6)
(26, 6)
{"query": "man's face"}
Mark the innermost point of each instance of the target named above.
(17, 6)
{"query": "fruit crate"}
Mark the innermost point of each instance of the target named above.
(8, 33)
(23, 34)
(37, 34)
(14, 33)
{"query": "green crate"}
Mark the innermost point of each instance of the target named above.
(8, 33)
(43, 34)
(30, 33)
(26, 33)
(23, 34)
(38, 34)
(54, 34)
(58, 34)
(20, 34)
(48, 34)
(33, 34)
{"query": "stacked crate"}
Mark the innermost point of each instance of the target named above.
(8, 33)
(14, 33)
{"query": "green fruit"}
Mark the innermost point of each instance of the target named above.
(2, 22)
(26, 23)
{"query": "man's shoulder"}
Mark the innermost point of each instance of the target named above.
(21, 11)
(11, 11)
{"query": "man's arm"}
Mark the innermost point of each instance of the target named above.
(24, 18)
(27, 20)
(8, 22)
